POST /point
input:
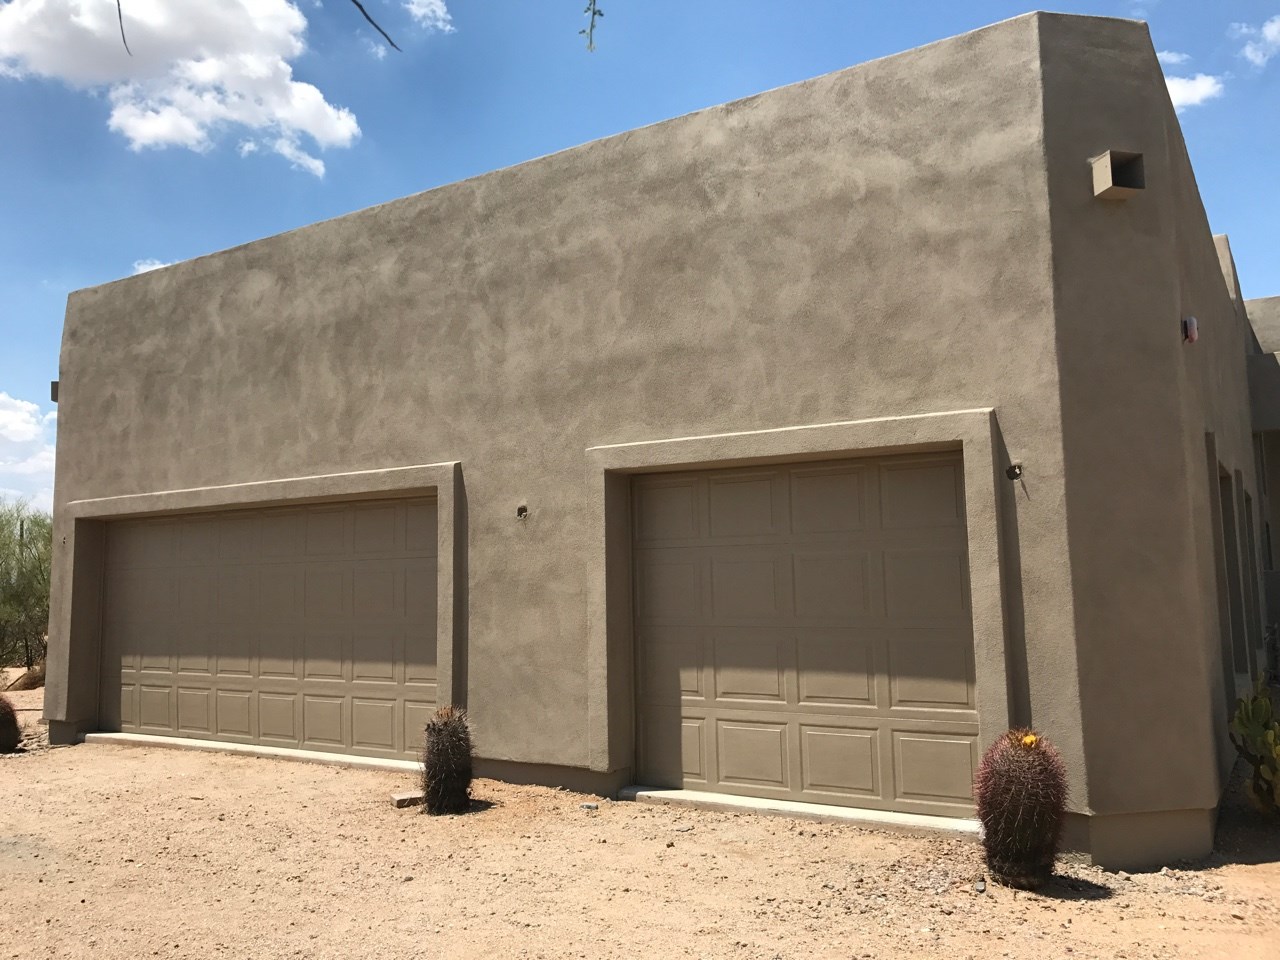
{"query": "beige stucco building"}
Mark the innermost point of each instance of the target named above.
(791, 449)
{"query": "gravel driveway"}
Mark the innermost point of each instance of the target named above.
(111, 851)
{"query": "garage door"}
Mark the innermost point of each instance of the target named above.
(803, 632)
(310, 627)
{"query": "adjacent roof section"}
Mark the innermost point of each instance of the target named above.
(1264, 314)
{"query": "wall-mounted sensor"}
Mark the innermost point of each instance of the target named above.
(1190, 330)
(522, 512)
(1118, 175)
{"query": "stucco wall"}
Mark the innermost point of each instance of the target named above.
(903, 238)
(870, 243)
(1137, 404)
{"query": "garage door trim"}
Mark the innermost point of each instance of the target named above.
(610, 650)
(81, 535)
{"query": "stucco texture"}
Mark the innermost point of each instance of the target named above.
(909, 237)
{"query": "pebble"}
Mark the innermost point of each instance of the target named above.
(590, 806)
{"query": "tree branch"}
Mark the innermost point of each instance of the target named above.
(120, 17)
(360, 7)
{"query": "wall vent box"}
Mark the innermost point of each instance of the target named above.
(1118, 175)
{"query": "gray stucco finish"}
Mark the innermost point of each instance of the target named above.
(910, 237)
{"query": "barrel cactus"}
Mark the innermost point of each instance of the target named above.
(446, 762)
(10, 734)
(1021, 790)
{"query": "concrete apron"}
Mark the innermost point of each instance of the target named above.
(909, 823)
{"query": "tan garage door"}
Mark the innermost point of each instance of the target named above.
(310, 627)
(803, 632)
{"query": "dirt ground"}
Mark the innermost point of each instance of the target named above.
(115, 852)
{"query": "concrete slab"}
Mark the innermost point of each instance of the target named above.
(253, 750)
(407, 798)
(912, 823)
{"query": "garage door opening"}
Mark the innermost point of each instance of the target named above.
(803, 632)
(310, 627)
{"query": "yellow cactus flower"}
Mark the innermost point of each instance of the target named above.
(1030, 740)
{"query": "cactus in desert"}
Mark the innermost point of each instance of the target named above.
(10, 734)
(1021, 793)
(1255, 731)
(446, 762)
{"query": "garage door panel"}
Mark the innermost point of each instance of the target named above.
(283, 535)
(233, 712)
(668, 590)
(233, 645)
(324, 721)
(672, 664)
(279, 651)
(810, 636)
(195, 710)
(745, 585)
(666, 510)
(922, 494)
(155, 707)
(195, 648)
(750, 663)
(833, 584)
(836, 669)
(326, 591)
(278, 713)
(280, 593)
(328, 532)
(752, 753)
(373, 723)
(934, 767)
(840, 760)
(829, 502)
(932, 669)
(377, 528)
(375, 652)
(420, 591)
(306, 626)
(743, 505)
(926, 584)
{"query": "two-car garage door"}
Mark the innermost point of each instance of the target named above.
(311, 627)
(803, 632)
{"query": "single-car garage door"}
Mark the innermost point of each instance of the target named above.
(311, 627)
(803, 632)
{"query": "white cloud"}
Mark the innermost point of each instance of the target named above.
(376, 50)
(432, 14)
(1193, 91)
(145, 266)
(1263, 42)
(26, 451)
(1171, 58)
(247, 147)
(198, 68)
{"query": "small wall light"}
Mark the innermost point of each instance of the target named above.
(1014, 471)
(522, 512)
(1190, 330)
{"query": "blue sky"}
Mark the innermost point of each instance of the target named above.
(237, 119)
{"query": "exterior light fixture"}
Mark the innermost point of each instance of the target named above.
(1014, 471)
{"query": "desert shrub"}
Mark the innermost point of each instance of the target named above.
(9, 732)
(33, 679)
(446, 762)
(1255, 731)
(1021, 790)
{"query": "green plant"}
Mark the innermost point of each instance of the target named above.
(9, 732)
(446, 762)
(1255, 732)
(1021, 793)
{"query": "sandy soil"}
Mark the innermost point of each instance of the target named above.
(114, 852)
(29, 705)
